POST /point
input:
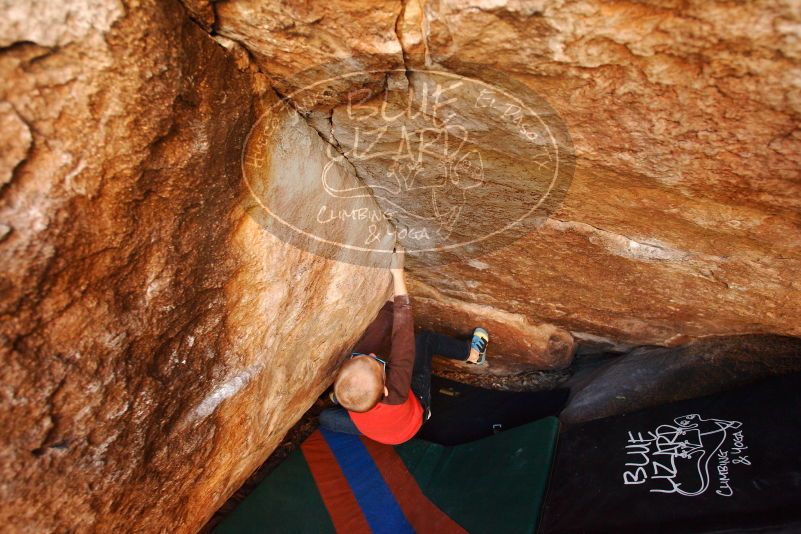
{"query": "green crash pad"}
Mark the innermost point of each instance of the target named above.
(495, 484)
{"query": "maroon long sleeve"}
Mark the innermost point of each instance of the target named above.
(401, 356)
(376, 338)
(391, 336)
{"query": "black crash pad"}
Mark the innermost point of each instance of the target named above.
(729, 462)
(462, 413)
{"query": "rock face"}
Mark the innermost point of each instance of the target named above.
(303, 43)
(156, 341)
(161, 331)
(524, 345)
(682, 217)
(651, 376)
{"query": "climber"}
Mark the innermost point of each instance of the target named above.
(384, 388)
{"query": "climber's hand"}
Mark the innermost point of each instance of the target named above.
(398, 259)
(396, 268)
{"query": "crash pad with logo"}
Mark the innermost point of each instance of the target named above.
(729, 462)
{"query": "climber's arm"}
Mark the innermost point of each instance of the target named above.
(401, 357)
(381, 326)
(377, 331)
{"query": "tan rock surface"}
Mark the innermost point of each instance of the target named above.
(683, 216)
(682, 219)
(156, 342)
(299, 43)
(516, 343)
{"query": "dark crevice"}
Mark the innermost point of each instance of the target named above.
(399, 37)
(210, 28)
(16, 172)
(21, 45)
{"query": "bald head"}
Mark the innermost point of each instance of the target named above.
(359, 384)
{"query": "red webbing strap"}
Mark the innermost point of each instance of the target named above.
(423, 514)
(346, 515)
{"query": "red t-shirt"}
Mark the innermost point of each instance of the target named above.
(391, 424)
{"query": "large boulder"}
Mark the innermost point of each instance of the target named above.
(162, 324)
(681, 218)
(156, 341)
(651, 376)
